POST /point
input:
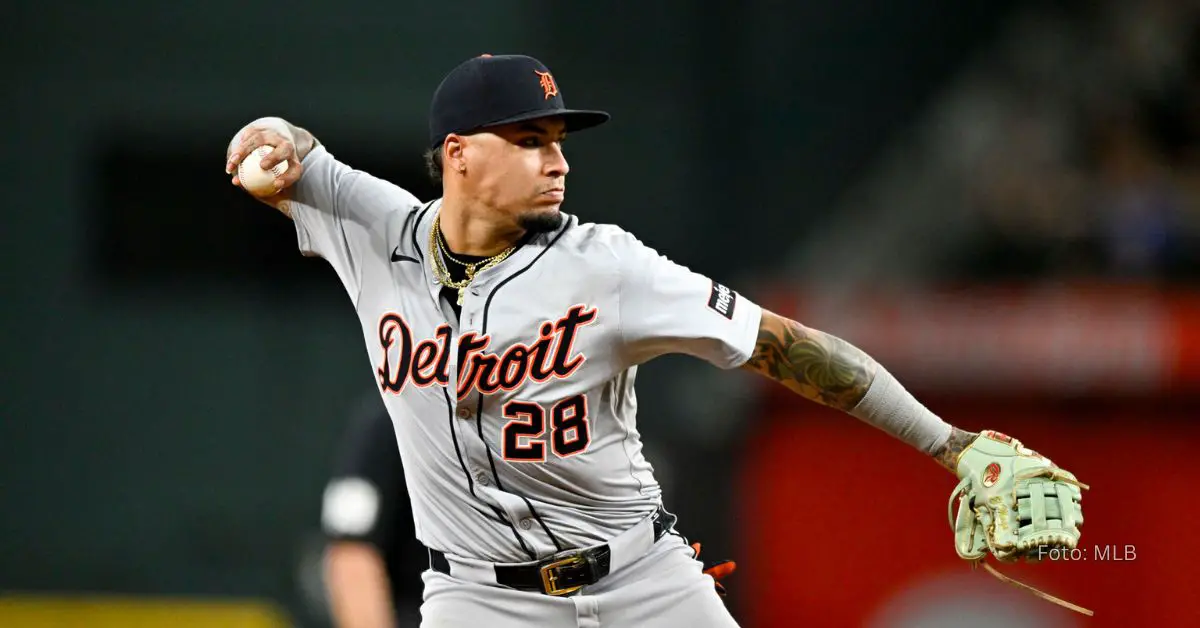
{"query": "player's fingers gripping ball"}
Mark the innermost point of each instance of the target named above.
(254, 178)
(1013, 502)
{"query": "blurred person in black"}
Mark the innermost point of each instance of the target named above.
(372, 558)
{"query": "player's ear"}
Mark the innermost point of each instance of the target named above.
(453, 154)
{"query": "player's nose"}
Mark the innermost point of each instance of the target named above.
(556, 161)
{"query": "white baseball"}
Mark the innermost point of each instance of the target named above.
(256, 180)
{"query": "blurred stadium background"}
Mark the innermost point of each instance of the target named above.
(998, 199)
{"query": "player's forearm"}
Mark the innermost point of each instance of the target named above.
(303, 140)
(816, 365)
(358, 587)
(947, 454)
(830, 371)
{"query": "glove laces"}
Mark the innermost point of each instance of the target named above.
(960, 491)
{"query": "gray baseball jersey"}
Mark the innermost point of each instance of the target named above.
(516, 423)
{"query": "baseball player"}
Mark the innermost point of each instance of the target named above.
(505, 335)
(370, 543)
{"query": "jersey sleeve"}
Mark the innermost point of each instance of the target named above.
(336, 208)
(363, 493)
(667, 308)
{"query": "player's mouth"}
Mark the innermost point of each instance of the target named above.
(557, 194)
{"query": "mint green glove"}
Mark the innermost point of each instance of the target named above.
(1012, 502)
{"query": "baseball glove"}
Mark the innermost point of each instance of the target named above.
(1013, 503)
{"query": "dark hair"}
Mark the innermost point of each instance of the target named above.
(433, 163)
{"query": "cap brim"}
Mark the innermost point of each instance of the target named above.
(575, 119)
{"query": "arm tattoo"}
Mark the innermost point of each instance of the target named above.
(828, 370)
(818, 366)
(947, 456)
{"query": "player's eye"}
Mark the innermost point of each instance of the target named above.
(530, 142)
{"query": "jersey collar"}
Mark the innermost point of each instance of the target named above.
(485, 280)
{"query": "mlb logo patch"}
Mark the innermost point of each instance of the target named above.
(722, 300)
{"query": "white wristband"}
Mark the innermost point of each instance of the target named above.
(891, 408)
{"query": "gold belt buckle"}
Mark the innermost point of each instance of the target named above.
(550, 575)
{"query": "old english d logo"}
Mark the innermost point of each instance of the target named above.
(548, 84)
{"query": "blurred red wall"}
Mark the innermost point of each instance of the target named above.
(845, 526)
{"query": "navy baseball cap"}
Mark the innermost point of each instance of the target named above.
(489, 90)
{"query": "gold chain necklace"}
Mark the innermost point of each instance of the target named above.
(442, 273)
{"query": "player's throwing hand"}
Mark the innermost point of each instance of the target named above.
(266, 132)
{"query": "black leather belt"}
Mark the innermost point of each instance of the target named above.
(563, 573)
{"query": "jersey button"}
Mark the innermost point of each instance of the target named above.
(526, 524)
(464, 413)
(482, 479)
